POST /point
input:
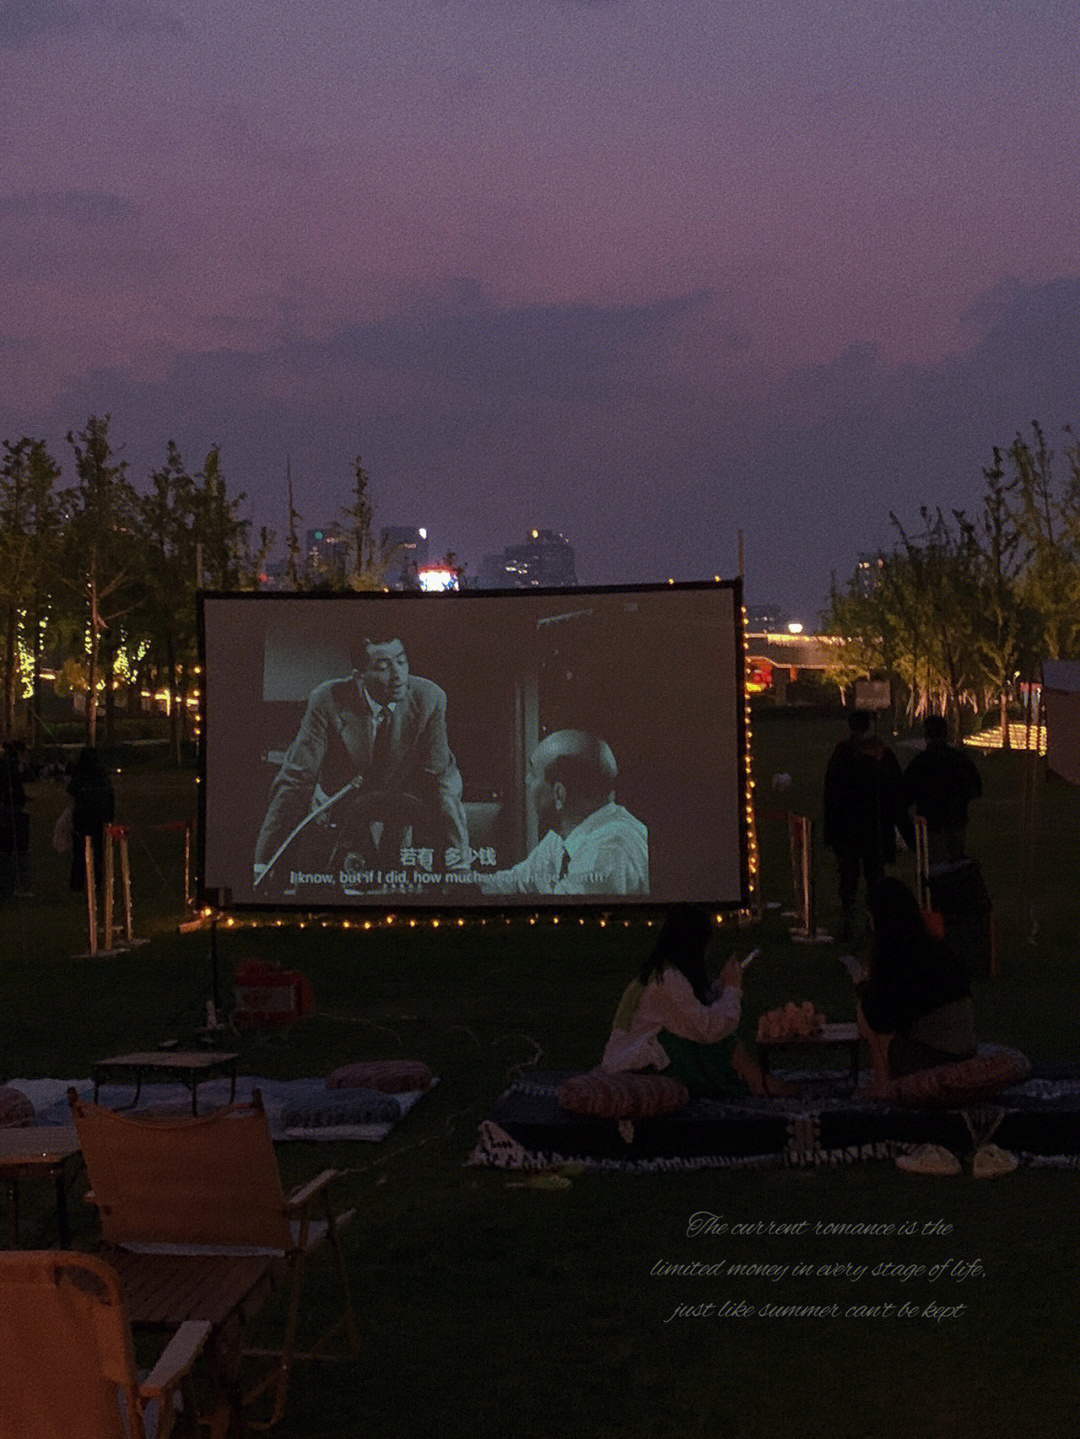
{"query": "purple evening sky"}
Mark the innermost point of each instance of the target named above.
(643, 273)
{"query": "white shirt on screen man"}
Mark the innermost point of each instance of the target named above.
(607, 853)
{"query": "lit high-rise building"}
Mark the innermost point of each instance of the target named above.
(326, 554)
(544, 561)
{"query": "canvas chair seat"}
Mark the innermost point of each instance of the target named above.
(211, 1186)
(317, 1233)
(68, 1362)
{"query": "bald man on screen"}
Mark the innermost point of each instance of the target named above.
(591, 845)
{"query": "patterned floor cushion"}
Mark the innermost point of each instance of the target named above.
(343, 1106)
(390, 1076)
(966, 1082)
(15, 1109)
(622, 1096)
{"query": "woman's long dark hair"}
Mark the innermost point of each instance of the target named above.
(87, 764)
(681, 944)
(902, 944)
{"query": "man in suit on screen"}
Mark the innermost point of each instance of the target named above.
(370, 767)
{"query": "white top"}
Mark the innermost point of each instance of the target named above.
(670, 1003)
(607, 853)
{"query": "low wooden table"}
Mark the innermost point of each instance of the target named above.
(843, 1036)
(163, 1291)
(39, 1151)
(189, 1066)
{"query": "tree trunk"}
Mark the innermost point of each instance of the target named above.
(108, 651)
(174, 716)
(1003, 711)
(33, 726)
(182, 698)
(9, 672)
(91, 697)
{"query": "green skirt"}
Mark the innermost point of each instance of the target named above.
(705, 1069)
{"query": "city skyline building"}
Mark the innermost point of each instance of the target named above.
(326, 554)
(545, 560)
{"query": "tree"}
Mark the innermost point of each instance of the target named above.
(225, 560)
(861, 615)
(914, 621)
(29, 536)
(169, 578)
(194, 539)
(295, 567)
(359, 515)
(1049, 526)
(102, 556)
(939, 601)
(364, 571)
(1006, 626)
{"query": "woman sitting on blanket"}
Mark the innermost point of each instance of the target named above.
(671, 1019)
(915, 1005)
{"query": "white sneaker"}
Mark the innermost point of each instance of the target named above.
(990, 1162)
(929, 1159)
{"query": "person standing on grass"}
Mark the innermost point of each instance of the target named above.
(14, 824)
(864, 807)
(941, 782)
(93, 807)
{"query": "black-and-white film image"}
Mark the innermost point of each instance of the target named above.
(475, 750)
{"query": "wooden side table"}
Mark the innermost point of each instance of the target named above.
(842, 1036)
(38, 1151)
(164, 1291)
(189, 1066)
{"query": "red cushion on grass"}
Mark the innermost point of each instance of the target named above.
(622, 1096)
(389, 1076)
(15, 1109)
(965, 1082)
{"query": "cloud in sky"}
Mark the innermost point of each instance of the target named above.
(774, 267)
(648, 475)
(25, 22)
(81, 208)
(501, 354)
(89, 235)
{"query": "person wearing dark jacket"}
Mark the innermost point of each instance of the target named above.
(93, 807)
(915, 1015)
(914, 1009)
(941, 781)
(14, 824)
(864, 807)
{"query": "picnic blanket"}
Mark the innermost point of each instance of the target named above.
(296, 1109)
(826, 1123)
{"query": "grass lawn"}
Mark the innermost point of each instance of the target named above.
(492, 1310)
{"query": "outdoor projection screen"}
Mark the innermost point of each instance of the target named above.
(474, 750)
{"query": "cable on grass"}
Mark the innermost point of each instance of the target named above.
(383, 1159)
(516, 1071)
(338, 1018)
(466, 1030)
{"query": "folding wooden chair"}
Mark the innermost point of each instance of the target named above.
(211, 1186)
(68, 1368)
